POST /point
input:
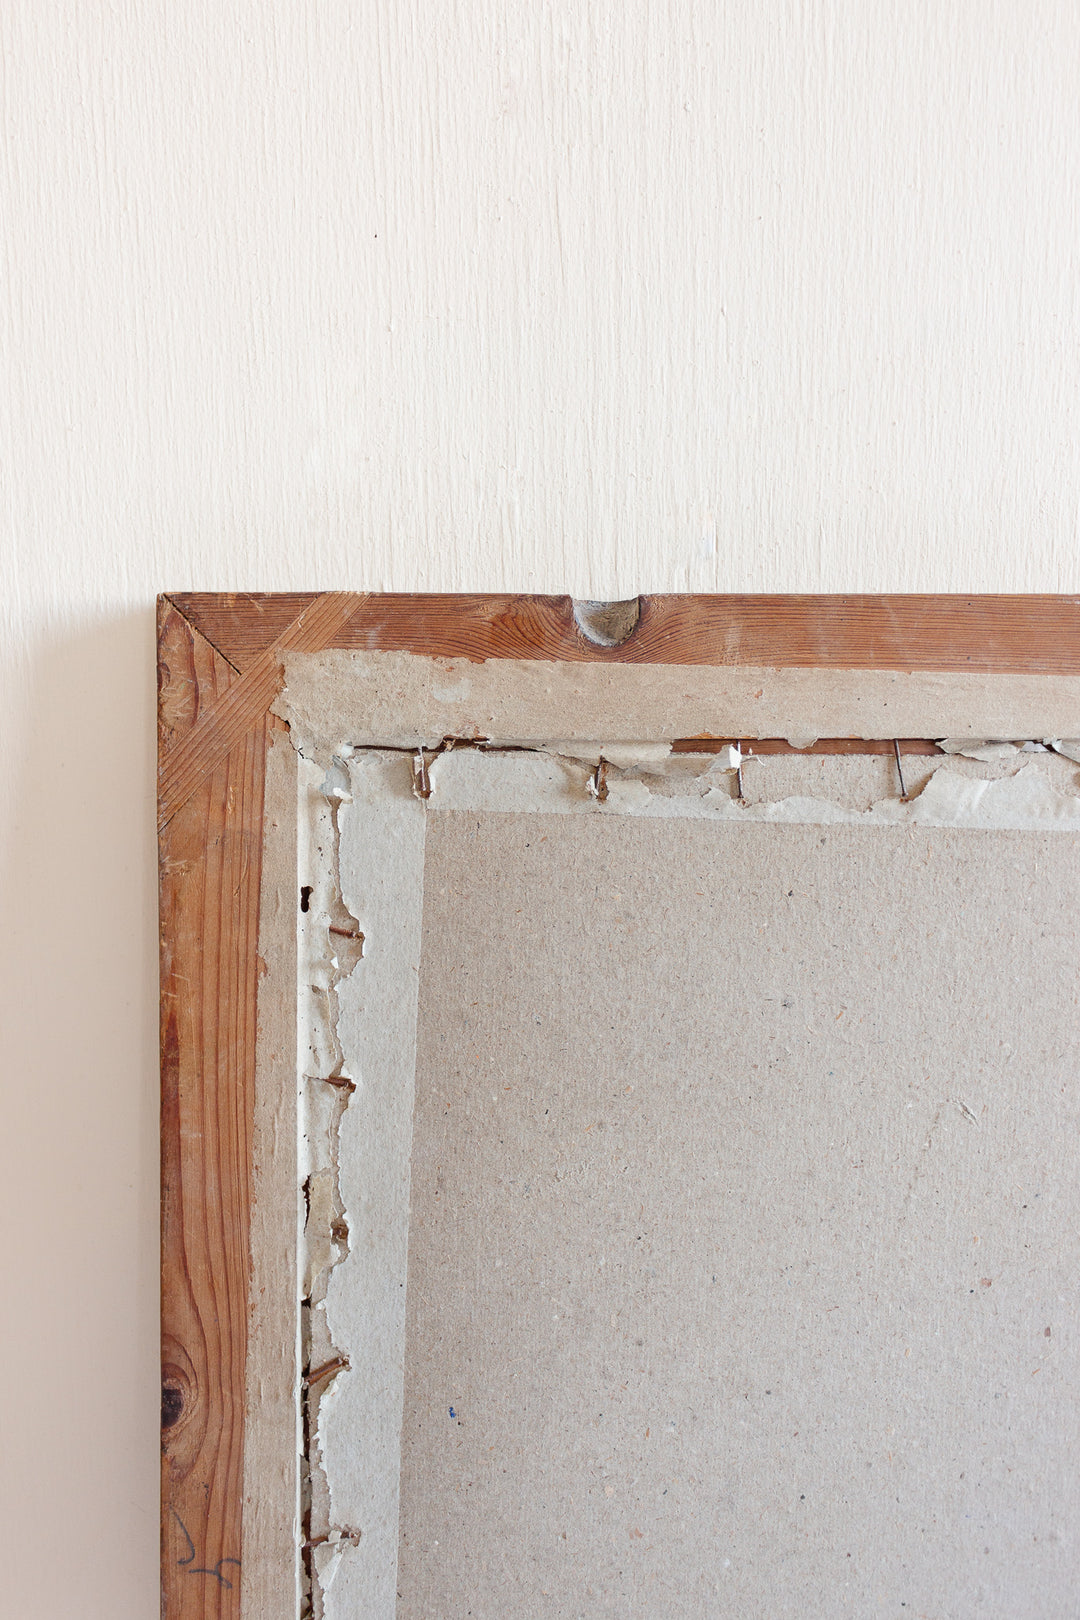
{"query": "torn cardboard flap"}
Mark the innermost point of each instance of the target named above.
(398, 699)
(622, 755)
(466, 779)
(357, 1443)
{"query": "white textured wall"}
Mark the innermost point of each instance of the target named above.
(599, 297)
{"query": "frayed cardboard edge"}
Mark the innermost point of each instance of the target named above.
(407, 700)
(330, 945)
(365, 830)
(521, 781)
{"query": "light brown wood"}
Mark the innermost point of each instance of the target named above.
(219, 659)
(1033, 634)
(222, 724)
(209, 973)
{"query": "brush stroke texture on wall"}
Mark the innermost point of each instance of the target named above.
(657, 296)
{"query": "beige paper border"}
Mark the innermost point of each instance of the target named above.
(400, 699)
(270, 1558)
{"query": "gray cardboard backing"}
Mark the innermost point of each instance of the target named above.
(744, 1223)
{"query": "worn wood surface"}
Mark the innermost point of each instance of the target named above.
(219, 670)
(1033, 634)
(209, 875)
(219, 726)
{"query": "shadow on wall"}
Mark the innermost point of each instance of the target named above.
(79, 1145)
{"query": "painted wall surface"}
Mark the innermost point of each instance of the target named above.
(573, 296)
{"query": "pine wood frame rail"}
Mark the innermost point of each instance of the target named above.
(218, 673)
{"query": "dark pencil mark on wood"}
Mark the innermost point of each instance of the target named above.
(190, 1559)
(216, 1571)
(192, 1568)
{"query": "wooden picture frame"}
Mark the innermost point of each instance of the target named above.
(219, 672)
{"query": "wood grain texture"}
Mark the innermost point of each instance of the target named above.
(209, 877)
(222, 724)
(192, 675)
(1034, 634)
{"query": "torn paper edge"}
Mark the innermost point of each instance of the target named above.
(990, 749)
(330, 944)
(372, 854)
(407, 700)
(474, 779)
